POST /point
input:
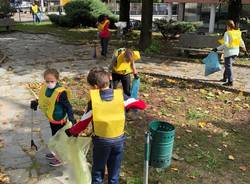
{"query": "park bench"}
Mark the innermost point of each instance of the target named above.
(7, 23)
(193, 42)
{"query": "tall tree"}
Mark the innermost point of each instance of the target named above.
(234, 10)
(146, 29)
(124, 11)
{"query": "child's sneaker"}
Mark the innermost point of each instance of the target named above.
(50, 156)
(55, 163)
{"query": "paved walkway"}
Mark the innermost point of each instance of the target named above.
(28, 56)
(195, 71)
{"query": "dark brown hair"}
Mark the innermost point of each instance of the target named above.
(95, 75)
(51, 71)
(230, 24)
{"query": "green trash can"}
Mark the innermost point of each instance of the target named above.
(161, 143)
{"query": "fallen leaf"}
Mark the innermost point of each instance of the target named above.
(243, 168)
(219, 149)
(192, 177)
(237, 99)
(188, 131)
(225, 134)
(174, 169)
(225, 145)
(202, 124)
(177, 157)
(246, 106)
(171, 81)
(145, 95)
(196, 145)
(231, 157)
(203, 91)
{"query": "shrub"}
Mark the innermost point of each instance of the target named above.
(83, 13)
(172, 28)
(5, 9)
(62, 20)
(154, 48)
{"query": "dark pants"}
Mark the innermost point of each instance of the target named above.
(125, 79)
(107, 152)
(55, 128)
(104, 45)
(228, 73)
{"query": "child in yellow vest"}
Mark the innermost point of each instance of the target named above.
(106, 111)
(54, 103)
(123, 64)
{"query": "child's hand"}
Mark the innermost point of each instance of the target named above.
(34, 104)
(68, 133)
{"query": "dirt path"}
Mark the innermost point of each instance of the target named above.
(28, 55)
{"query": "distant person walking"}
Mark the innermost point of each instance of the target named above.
(230, 44)
(104, 33)
(35, 12)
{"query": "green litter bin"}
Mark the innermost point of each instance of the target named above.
(161, 143)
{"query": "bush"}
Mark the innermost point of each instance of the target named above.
(172, 28)
(62, 20)
(154, 48)
(5, 9)
(83, 13)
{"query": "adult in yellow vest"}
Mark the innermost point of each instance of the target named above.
(54, 103)
(35, 12)
(123, 64)
(230, 44)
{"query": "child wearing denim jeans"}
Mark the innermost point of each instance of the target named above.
(106, 111)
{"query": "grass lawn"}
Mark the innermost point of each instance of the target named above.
(212, 131)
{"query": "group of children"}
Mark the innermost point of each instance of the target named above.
(106, 112)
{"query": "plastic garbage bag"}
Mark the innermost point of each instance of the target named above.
(72, 151)
(212, 63)
(135, 88)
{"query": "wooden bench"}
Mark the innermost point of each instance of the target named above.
(192, 42)
(7, 23)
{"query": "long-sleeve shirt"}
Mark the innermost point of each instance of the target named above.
(230, 51)
(107, 95)
(64, 102)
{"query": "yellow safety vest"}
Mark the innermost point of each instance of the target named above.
(64, 2)
(108, 116)
(102, 25)
(234, 39)
(122, 66)
(47, 104)
(34, 9)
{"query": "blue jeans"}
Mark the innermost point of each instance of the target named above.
(107, 152)
(228, 73)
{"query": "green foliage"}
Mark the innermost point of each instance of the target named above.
(155, 48)
(83, 13)
(172, 28)
(5, 9)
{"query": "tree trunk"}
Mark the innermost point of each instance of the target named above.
(146, 28)
(234, 10)
(124, 11)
